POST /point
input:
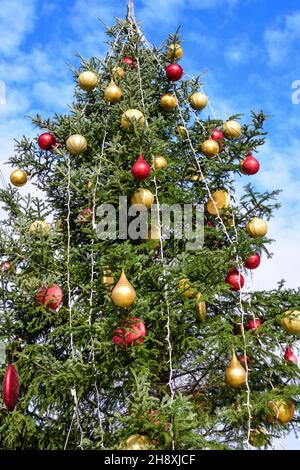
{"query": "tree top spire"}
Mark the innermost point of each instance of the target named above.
(130, 9)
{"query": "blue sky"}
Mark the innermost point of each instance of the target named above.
(248, 48)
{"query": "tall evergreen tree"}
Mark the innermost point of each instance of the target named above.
(99, 369)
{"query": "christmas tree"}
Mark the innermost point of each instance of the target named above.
(119, 342)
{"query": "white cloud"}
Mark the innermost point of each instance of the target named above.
(240, 50)
(17, 20)
(282, 38)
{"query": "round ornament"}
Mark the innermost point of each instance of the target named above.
(198, 101)
(51, 297)
(113, 93)
(39, 229)
(18, 178)
(174, 51)
(210, 148)
(257, 228)
(291, 322)
(174, 72)
(137, 442)
(143, 196)
(131, 117)
(160, 163)
(46, 141)
(253, 261)
(235, 279)
(250, 166)
(232, 129)
(141, 169)
(220, 200)
(76, 144)
(129, 62)
(131, 332)
(281, 411)
(88, 80)
(168, 102)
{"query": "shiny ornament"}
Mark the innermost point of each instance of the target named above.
(210, 148)
(131, 117)
(39, 229)
(257, 228)
(46, 141)
(174, 51)
(281, 411)
(235, 279)
(160, 163)
(290, 356)
(51, 297)
(259, 438)
(88, 80)
(182, 132)
(250, 166)
(235, 373)
(253, 261)
(185, 289)
(198, 101)
(244, 359)
(253, 324)
(174, 72)
(131, 332)
(200, 309)
(85, 216)
(131, 63)
(11, 387)
(232, 129)
(123, 294)
(113, 93)
(220, 200)
(141, 169)
(18, 178)
(118, 71)
(291, 322)
(217, 135)
(143, 196)
(168, 102)
(76, 144)
(137, 442)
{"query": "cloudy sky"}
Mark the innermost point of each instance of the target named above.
(248, 48)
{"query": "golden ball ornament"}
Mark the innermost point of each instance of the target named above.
(18, 178)
(281, 411)
(131, 117)
(182, 132)
(143, 196)
(137, 442)
(259, 437)
(185, 289)
(220, 200)
(200, 309)
(76, 144)
(123, 294)
(291, 322)
(235, 373)
(113, 93)
(210, 148)
(174, 51)
(39, 229)
(160, 163)
(168, 102)
(232, 129)
(88, 80)
(198, 101)
(257, 228)
(118, 71)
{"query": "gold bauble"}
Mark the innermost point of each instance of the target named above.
(220, 200)
(232, 129)
(132, 116)
(119, 71)
(137, 442)
(291, 322)
(39, 229)
(123, 294)
(185, 289)
(18, 178)
(257, 228)
(112, 93)
(210, 148)
(160, 163)
(200, 309)
(143, 196)
(235, 373)
(76, 144)
(281, 411)
(181, 130)
(174, 51)
(259, 437)
(168, 102)
(198, 101)
(88, 80)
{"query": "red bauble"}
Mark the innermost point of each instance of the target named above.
(85, 216)
(253, 261)
(132, 332)
(131, 63)
(11, 387)
(250, 166)
(174, 72)
(235, 279)
(290, 356)
(244, 359)
(46, 141)
(141, 169)
(217, 135)
(254, 324)
(210, 224)
(51, 297)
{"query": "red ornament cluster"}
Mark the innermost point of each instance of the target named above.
(250, 166)
(11, 387)
(51, 297)
(174, 72)
(132, 332)
(47, 141)
(141, 169)
(253, 324)
(235, 279)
